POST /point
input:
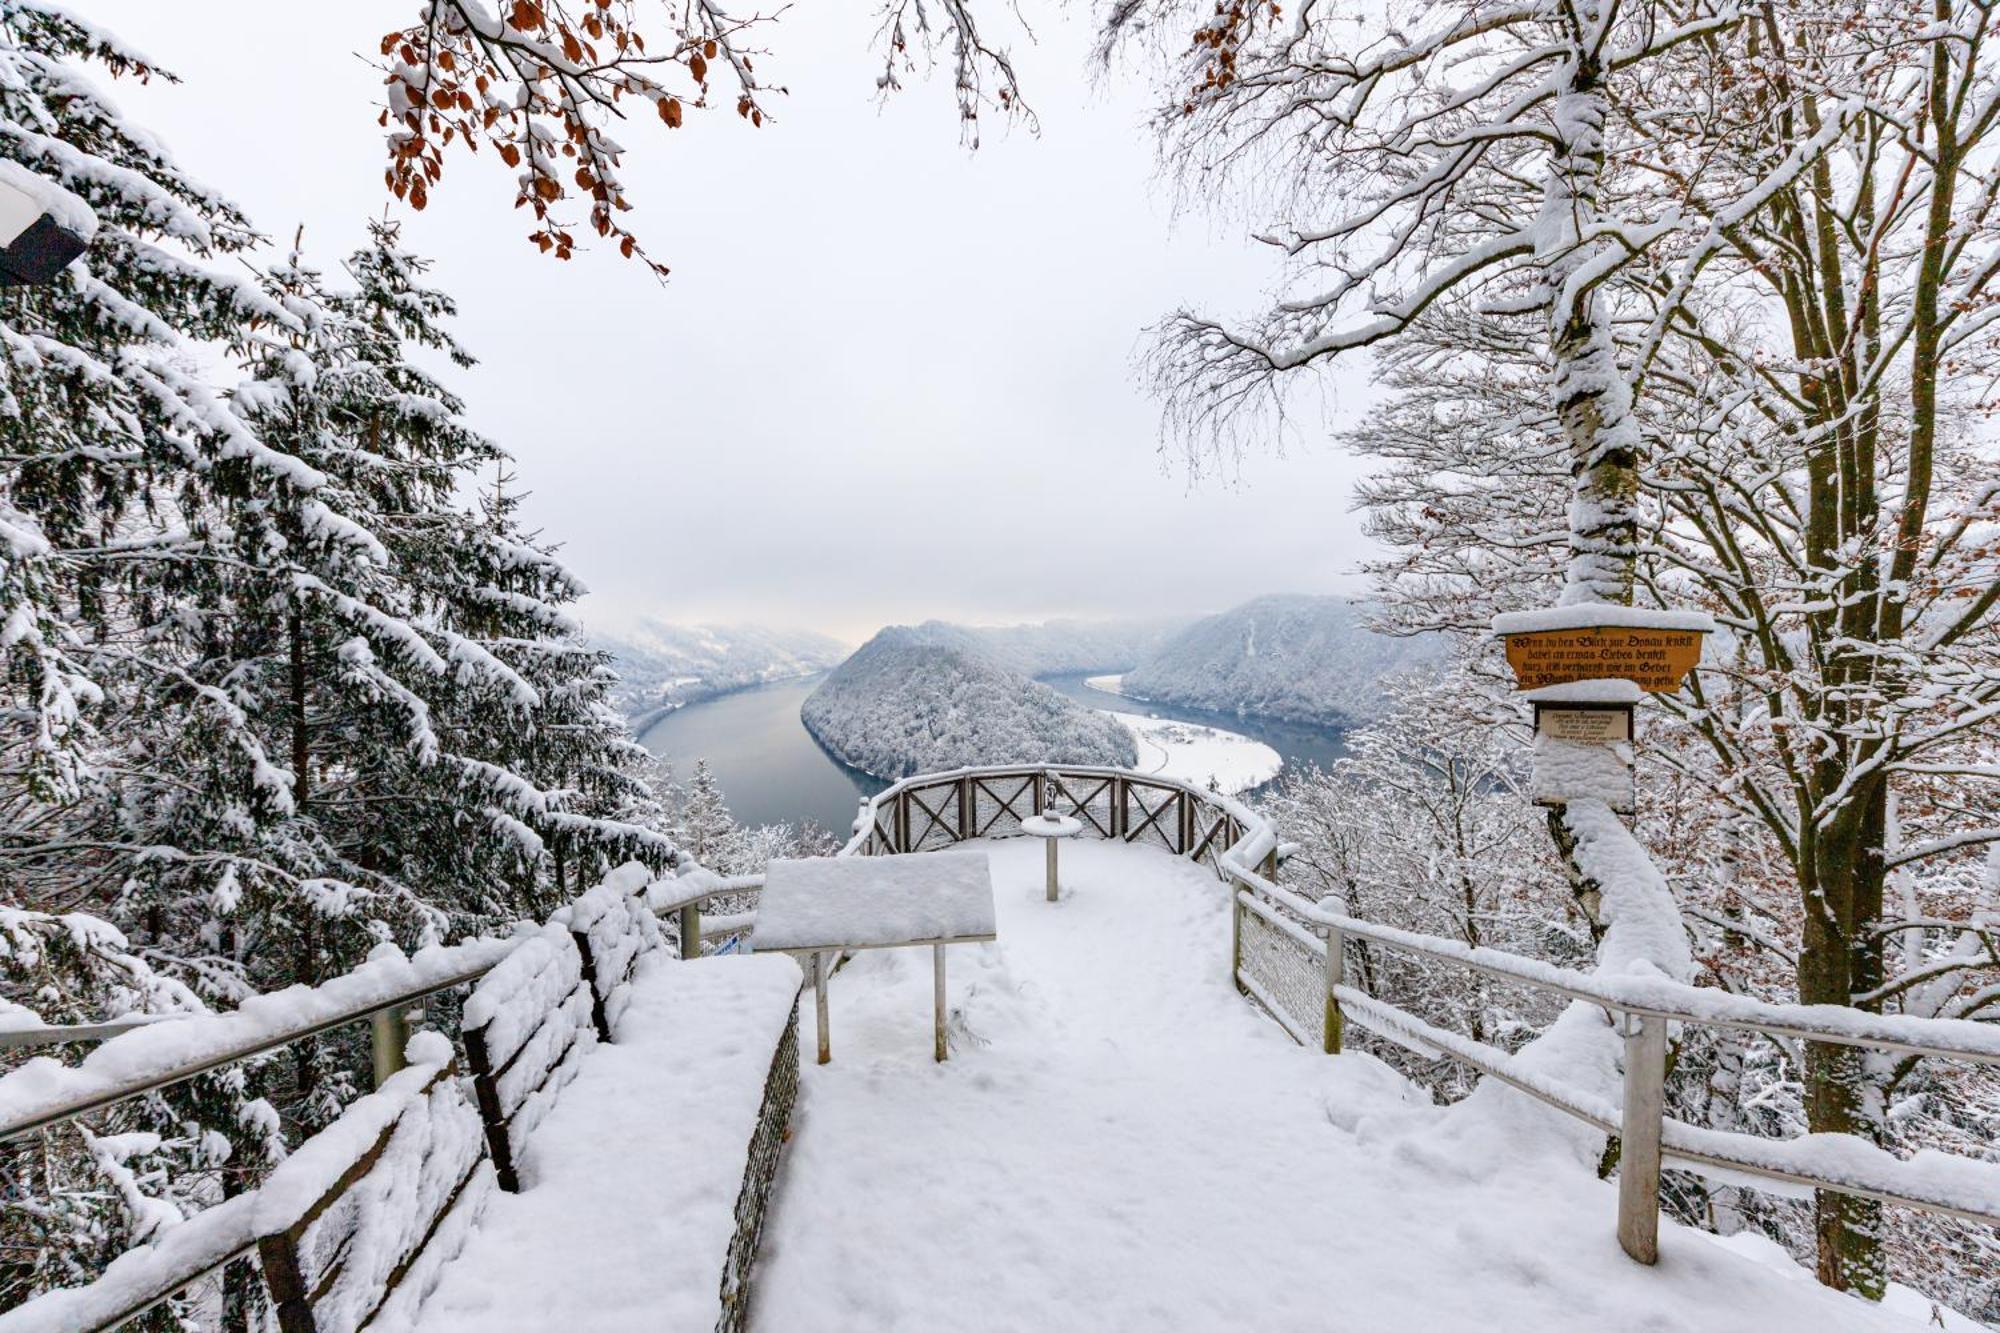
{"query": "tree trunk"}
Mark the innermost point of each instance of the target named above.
(301, 737)
(1592, 400)
(1841, 958)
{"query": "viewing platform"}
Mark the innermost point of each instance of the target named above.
(1120, 1142)
(1122, 1137)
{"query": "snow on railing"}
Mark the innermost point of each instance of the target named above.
(1280, 958)
(136, 1060)
(609, 927)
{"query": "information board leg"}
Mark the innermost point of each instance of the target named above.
(819, 1006)
(937, 969)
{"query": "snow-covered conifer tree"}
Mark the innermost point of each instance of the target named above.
(704, 827)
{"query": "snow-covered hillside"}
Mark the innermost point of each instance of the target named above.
(1059, 647)
(1224, 761)
(1301, 659)
(662, 667)
(906, 703)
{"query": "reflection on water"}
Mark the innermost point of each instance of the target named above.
(769, 766)
(773, 771)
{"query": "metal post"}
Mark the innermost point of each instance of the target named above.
(1639, 1137)
(691, 930)
(819, 1007)
(388, 1035)
(1336, 970)
(937, 970)
(1051, 858)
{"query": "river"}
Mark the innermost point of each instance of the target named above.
(772, 770)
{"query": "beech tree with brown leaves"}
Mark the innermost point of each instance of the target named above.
(541, 82)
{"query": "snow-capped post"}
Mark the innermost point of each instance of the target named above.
(1236, 935)
(1336, 973)
(819, 1005)
(938, 1008)
(1051, 828)
(691, 930)
(1639, 1133)
(388, 1037)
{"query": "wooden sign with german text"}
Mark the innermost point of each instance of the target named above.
(1656, 660)
(1586, 726)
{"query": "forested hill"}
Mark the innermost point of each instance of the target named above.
(908, 703)
(662, 666)
(1058, 647)
(1300, 659)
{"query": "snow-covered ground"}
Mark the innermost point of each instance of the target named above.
(1206, 756)
(630, 1184)
(1120, 1142)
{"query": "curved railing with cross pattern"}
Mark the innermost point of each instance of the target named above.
(1281, 960)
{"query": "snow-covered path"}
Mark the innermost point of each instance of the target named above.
(1120, 1142)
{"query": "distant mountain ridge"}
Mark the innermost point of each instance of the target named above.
(1060, 647)
(913, 700)
(662, 667)
(1294, 658)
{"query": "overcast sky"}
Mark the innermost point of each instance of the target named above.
(889, 379)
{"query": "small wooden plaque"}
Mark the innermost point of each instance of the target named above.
(1656, 660)
(1585, 726)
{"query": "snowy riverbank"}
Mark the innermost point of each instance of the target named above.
(1206, 756)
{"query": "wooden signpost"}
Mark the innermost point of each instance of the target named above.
(1656, 660)
(1584, 668)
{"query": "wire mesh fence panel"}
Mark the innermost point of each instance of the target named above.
(1214, 833)
(884, 841)
(1153, 815)
(1087, 797)
(1001, 803)
(1288, 974)
(933, 816)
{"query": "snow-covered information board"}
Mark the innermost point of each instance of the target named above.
(828, 904)
(874, 902)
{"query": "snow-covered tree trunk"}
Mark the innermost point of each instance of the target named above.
(1589, 391)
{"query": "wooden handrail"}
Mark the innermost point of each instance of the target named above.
(1244, 850)
(69, 1107)
(1644, 1005)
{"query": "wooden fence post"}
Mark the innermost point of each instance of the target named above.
(1639, 1137)
(968, 822)
(1235, 935)
(819, 1006)
(1336, 976)
(691, 930)
(388, 1035)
